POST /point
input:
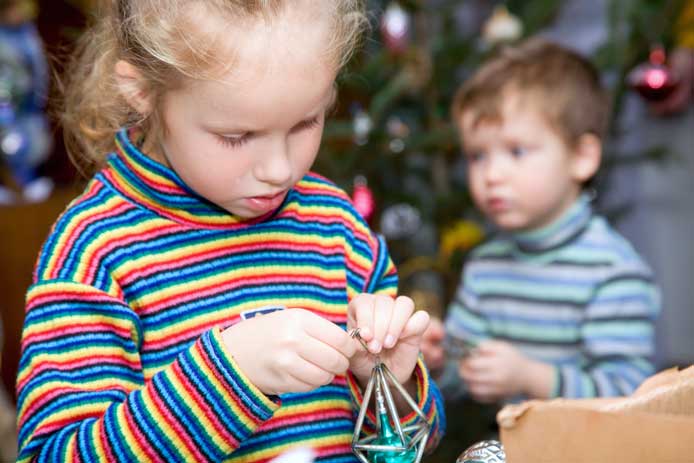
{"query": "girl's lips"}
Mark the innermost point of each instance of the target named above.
(266, 203)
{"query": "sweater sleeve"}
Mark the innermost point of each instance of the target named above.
(82, 394)
(617, 338)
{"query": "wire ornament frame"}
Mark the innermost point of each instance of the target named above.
(414, 436)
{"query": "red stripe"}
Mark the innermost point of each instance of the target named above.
(232, 284)
(123, 240)
(237, 402)
(194, 395)
(69, 240)
(335, 449)
(83, 327)
(181, 433)
(308, 417)
(163, 186)
(92, 295)
(139, 435)
(220, 251)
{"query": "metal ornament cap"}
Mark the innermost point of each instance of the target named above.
(487, 451)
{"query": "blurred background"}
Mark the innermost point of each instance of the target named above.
(391, 145)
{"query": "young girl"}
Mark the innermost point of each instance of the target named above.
(192, 303)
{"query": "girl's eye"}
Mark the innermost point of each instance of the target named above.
(518, 151)
(234, 141)
(307, 124)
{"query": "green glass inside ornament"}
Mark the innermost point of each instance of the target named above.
(387, 436)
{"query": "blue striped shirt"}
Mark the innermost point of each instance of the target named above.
(574, 294)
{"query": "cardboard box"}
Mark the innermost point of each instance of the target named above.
(654, 425)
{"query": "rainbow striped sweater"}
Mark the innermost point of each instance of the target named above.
(122, 358)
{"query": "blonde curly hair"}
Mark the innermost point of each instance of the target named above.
(159, 38)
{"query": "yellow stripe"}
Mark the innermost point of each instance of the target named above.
(329, 405)
(169, 431)
(98, 443)
(177, 289)
(102, 385)
(315, 443)
(128, 435)
(99, 243)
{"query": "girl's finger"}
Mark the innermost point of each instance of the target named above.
(382, 314)
(362, 308)
(402, 311)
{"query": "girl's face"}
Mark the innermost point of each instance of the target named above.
(244, 140)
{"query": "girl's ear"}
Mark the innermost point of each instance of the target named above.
(586, 158)
(131, 86)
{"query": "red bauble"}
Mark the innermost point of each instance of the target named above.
(654, 80)
(363, 198)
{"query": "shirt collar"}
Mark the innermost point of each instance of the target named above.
(563, 230)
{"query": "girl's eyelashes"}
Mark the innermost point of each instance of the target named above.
(236, 141)
(307, 124)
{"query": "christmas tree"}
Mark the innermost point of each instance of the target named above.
(391, 142)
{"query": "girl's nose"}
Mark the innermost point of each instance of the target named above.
(274, 166)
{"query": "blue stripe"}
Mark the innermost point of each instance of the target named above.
(92, 233)
(229, 299)
(215, 402)
(231, 377)
(211, 267)
(166, 389)
(144, 422)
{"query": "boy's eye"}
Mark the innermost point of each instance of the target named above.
(518, 151)
(475, 156)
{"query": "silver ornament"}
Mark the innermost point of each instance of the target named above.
(487, 451)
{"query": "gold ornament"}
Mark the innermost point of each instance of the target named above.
(502, 26)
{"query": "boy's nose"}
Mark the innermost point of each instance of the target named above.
(274, 166)
(495, 169)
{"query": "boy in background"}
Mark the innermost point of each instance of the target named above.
(558, 304)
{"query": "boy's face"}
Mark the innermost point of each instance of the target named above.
(521, 173)
(243, 141)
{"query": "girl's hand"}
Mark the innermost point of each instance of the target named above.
(291, 350)
(391, 330)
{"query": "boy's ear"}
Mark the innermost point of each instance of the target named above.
(131, 86)
(587, 157)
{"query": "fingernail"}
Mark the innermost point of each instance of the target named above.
(375, 346)
(390, 341)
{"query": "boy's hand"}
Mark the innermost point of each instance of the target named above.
(497, 371)
(291, 350)
(390, 329)
(432, 345)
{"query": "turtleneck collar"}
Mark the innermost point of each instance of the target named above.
(158, 188)
(563, 230)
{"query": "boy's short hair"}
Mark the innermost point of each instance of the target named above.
(563, 85)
